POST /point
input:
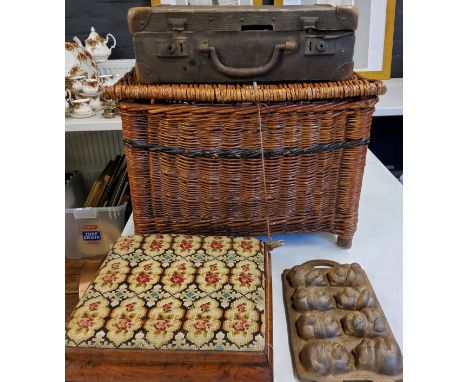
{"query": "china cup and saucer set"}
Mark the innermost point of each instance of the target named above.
(85, 86)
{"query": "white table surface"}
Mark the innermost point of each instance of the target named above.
(377, 247)
(391, 103)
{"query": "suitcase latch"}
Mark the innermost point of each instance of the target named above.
(318, 46)
(177, 25)
(172, 48)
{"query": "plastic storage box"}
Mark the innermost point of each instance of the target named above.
(74, 193)
(91, 232)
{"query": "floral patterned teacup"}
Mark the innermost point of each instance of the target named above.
(77, 82)
(91, 86)
(109, 79)
(67, 99)
(95, 103)
(106, 80)
(82, 106)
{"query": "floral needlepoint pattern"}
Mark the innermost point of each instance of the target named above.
(212, 276)
(231, 258)
(153, 295)
(246, 246)
(163, 321)
(245, 276)
(225, 295)
(259, 259)
(125, 319)
(200, 257)
(156, 245)
(175, 292)
(258, 298)
(190, 295)
(127, 244)
(111, 275)
(117, 295)
(144, 276)
(169, 257)
(178, 276)
(241, 321)
(216, 245)
(87, 319)
(203, 319)
(185, 245)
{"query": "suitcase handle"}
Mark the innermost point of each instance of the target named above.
(246, 72)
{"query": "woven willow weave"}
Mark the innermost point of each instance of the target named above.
(194, 159)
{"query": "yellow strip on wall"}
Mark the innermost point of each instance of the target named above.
(385, 73)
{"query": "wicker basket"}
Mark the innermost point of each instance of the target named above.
(195, 160)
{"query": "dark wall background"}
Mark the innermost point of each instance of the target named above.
(107, 16)
(386, 142)
(397, 56)
(110, 16)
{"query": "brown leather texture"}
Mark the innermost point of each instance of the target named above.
(192, 44)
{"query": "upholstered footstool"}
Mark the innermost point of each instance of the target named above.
(175, 308)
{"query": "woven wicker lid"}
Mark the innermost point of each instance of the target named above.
(128, 88)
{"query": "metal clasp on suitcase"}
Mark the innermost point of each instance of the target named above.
(287, 47)
(315, 44)
(176, 47)
(318, 46)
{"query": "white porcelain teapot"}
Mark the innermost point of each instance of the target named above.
(97, 47)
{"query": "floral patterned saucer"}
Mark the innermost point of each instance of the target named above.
(72, 114)
(88, 95)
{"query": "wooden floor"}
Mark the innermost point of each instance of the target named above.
(76, 270)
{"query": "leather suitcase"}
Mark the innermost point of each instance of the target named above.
(243, 44)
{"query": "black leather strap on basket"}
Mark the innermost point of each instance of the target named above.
(242, 153)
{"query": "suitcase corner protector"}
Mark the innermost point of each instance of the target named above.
(348, 16)
(138, 18)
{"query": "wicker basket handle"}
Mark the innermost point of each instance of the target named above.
(204, 47)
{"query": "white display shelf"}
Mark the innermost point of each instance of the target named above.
(95, 123)
(389, 104)
(377, 247)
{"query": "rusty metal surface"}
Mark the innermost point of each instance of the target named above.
(338, 331)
